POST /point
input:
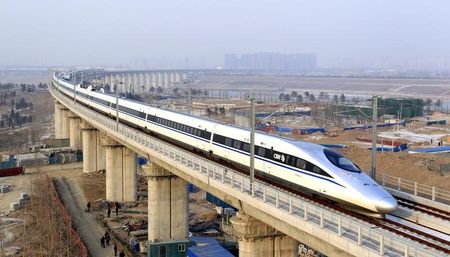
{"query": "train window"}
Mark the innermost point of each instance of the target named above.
(301, 163)
(292, 160)
(340, 161)
(237, 144)
(246, 147)
(207, 135)
(316, 169)
(228, 141)
(142, 115)
(219, 139)
(313, 168)
(288, 159)
(261, 151)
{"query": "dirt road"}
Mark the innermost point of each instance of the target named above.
(85, 223)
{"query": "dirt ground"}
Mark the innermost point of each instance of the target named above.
(434, 88)
(68, 177)
(86, 223)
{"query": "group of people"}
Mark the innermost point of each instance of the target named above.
(106, 238)
(108, 205)
(104, 241)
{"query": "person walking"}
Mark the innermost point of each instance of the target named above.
(107, 238)
(88, 207)
(109, 210)
(102, 242)
(121, 254)
(115, 249)
(117, 208)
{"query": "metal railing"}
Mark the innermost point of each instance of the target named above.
(415, 188)
(361, 233)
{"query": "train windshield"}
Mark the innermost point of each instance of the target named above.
(340, 161)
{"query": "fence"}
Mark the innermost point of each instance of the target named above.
(285, 203)
(416, 189)
(67, 219)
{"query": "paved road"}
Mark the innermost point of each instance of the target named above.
(85, 223)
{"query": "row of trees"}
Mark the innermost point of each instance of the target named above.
(21, 104)
(7, 86)
(195, 92)
(14, 119)
(310, 97)
(215, 110)
(30, 88)
(428, 103)
(4, 97)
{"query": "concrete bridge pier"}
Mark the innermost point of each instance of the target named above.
(160, 79)
(258, 239)
(154, 79)
(147, 82)
(167, 204)
(65, 124)
(75, 132)
(166, 79)
(100, 152)
(58, 117)
(121, 172)
(89, 143)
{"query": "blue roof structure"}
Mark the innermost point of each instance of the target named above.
(441, 149)
(206, 247)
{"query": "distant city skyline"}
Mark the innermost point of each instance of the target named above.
(271, 61)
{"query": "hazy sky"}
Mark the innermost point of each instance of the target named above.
(342, 33)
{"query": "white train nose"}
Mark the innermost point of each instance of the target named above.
(386, 205)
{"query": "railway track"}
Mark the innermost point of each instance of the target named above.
(419, 235)
(444, 215)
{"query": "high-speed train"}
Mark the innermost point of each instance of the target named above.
(296, 164)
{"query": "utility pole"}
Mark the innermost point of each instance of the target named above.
(374, 137)
(75, 91)
(187, 82)
(252, 143)
(117, 102)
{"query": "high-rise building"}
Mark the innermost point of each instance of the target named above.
(272, 61)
